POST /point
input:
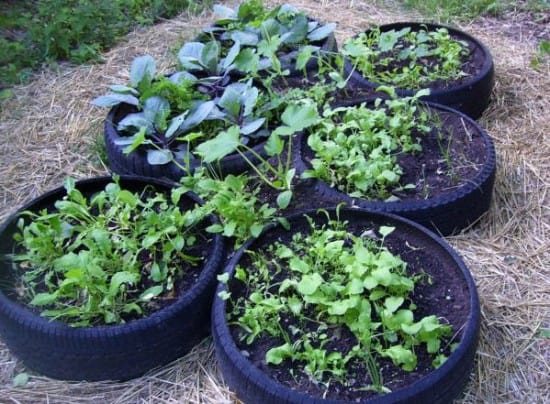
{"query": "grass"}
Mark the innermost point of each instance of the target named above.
(33, 33)
(48, 130)
(464, 10)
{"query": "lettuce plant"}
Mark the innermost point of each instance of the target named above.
(407, 58)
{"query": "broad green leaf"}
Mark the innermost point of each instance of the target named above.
(270, 27)
(256, 229)
(133, 142)
(230, 100)
(121, 89)
(20, 380)
(43, 299)
(210, 55)
(304, 55)
(309, 284)
(249, 99)
(150, 293)
(121, 278)
(298, 265)
(223, 144)
(411, 329)
(402, 357)
(385, 230)
(142, 71)
(274, 145)
(215, 228)
(277, 355)
(283, 199)
(321, 32)
(224, 12)
(245, 38)
(299, 117)
(156, 109)
(110, 100)
(298, 31)
(159, 157)
(433, 345)
(198, 114)
(136, 120)
(247, 61)
(231, 55)
(295, 305)
(189, 55)
(392, 303)
(252, 127)
(175, 124)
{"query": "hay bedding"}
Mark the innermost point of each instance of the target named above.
(48, 130)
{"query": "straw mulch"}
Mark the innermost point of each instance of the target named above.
(49, 130)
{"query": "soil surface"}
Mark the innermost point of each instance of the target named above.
(447, 296)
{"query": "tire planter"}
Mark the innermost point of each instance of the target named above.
(442, 385)
(445, 214)
(136, 162)
(470, 95)
(288, 60)
(109, 352)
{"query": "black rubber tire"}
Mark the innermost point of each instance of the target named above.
(446, 214)
(136, 162)
(471, 97)
(117, 352)
(444, 384)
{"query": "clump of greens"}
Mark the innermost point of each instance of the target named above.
(406, 58)
(310, 292)
(355, 148)
(107, 258)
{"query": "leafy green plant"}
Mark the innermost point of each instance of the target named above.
(322, 282)
(542, 55)
(355, 147)
(106, 258)
(46, 31)
(407, 58)
(269, 38)
(234, 199)
(278, 174)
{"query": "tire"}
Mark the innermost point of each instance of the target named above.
(442, 385)
(446, 214)
(470, 97)
(135, 163)
(117, 352)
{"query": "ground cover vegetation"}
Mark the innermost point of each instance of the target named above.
(34, 32)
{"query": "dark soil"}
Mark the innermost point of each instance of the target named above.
(446, 296)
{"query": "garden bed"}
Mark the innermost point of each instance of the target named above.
(49, 130)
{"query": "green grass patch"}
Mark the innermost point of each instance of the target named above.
(38, 32)
(452, 10)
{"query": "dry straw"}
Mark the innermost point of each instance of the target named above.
(48, 130)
